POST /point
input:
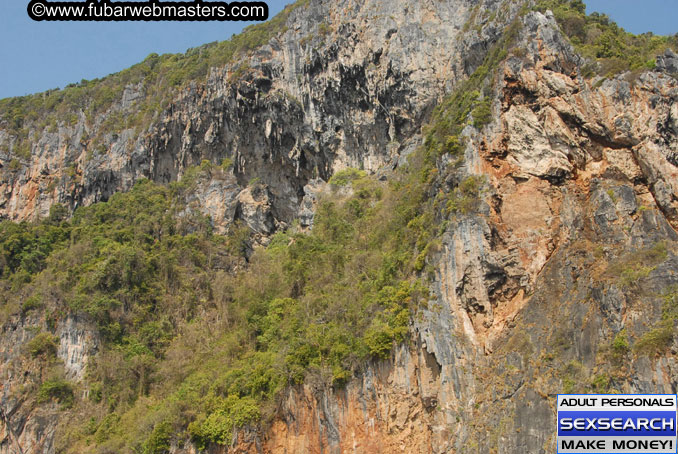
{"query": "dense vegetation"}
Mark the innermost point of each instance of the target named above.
(598, 38)
(193, 341)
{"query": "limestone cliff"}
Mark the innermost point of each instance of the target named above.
(571, 243)
(346, 85)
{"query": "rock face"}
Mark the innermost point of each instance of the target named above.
(573, 244)
(26, 427)
(344, 86)
(668, 62)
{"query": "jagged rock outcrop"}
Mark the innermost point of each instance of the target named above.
(522, 294)
(668, 62)
(344, 86)
(26, 426)
(573, 240)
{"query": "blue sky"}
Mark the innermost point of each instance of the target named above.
(36, 56)
(640, 16)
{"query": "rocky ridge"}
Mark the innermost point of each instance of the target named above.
(346, 85)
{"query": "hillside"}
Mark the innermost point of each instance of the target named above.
(364, 226)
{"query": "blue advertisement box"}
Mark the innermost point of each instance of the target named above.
(617, 423)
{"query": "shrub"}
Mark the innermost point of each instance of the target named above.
(600, 383)
(96, 392)
(109, 425)
(598, 38)
(43, 344)
(347, 176)
(226, 164)
(656, 341)
(620, 344)
(58, 390)
(466, 197)
(616, 351)
(379, 339)
(634, 266)
(159, 440)
(572, 373)
(659, 339)
(217, 427)
(57, 213)
(32, 303)
(323, 28)
(14, 165)
(482, 113)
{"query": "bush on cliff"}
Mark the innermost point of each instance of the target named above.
(600, 39)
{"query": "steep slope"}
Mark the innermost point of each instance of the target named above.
(517, 241)
(319, 96)
(339, 84)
